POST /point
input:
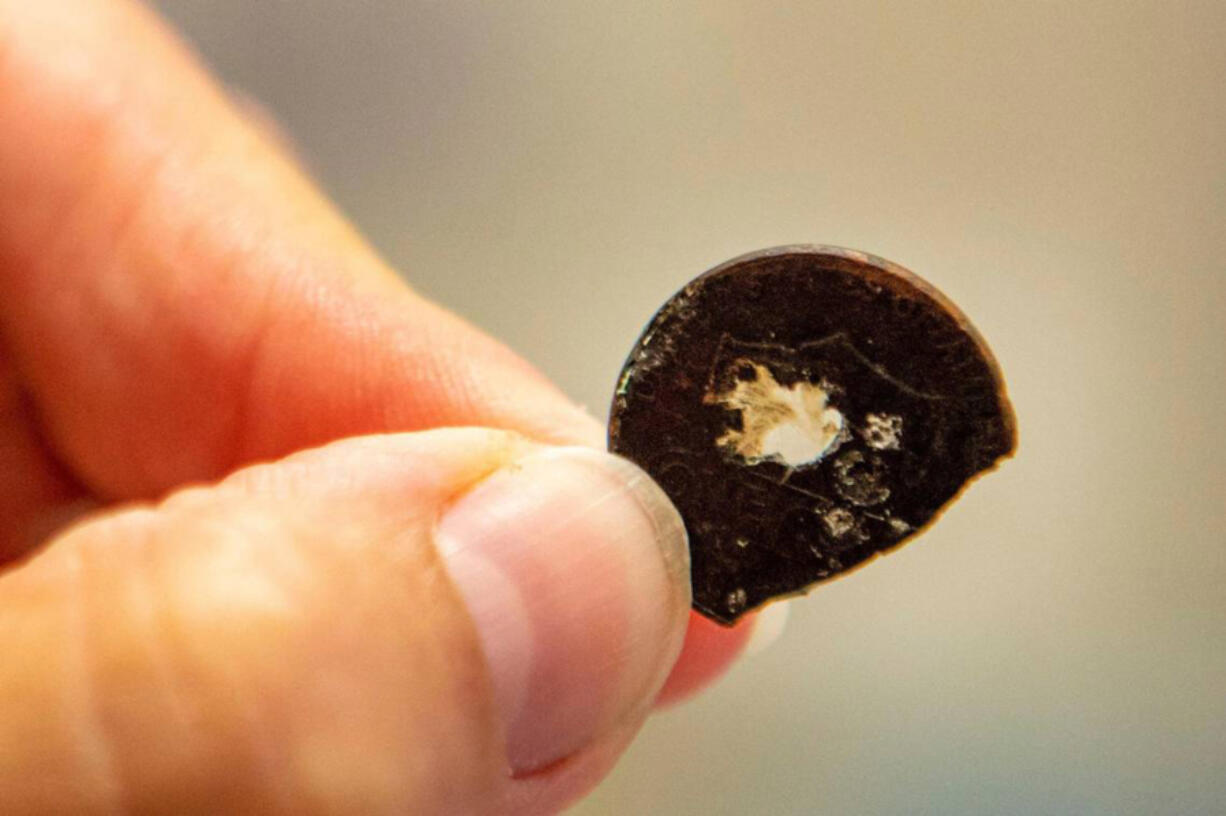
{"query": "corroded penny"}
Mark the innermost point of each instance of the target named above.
(806, 408)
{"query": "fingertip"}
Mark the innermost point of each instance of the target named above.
(709, 650)
(574, 568)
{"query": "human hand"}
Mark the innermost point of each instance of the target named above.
(458, 620)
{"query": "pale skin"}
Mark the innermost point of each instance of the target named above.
(181, 628)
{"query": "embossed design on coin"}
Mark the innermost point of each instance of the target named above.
(806, 408)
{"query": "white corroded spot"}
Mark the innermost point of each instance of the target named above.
(882, 431)
(794, 426)
(899, 526)
(858, 478)
(839, 521)
(742, 543)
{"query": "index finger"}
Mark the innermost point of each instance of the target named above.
(178, 300)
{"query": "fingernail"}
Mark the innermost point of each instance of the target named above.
(575, 569)
(769, 624)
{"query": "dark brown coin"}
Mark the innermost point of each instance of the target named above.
(806, 408)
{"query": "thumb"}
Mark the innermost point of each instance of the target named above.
(453, 621)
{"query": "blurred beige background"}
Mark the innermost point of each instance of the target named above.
(555, 170)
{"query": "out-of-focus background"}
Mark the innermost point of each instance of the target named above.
(554, 171)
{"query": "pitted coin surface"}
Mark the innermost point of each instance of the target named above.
(806, 408)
